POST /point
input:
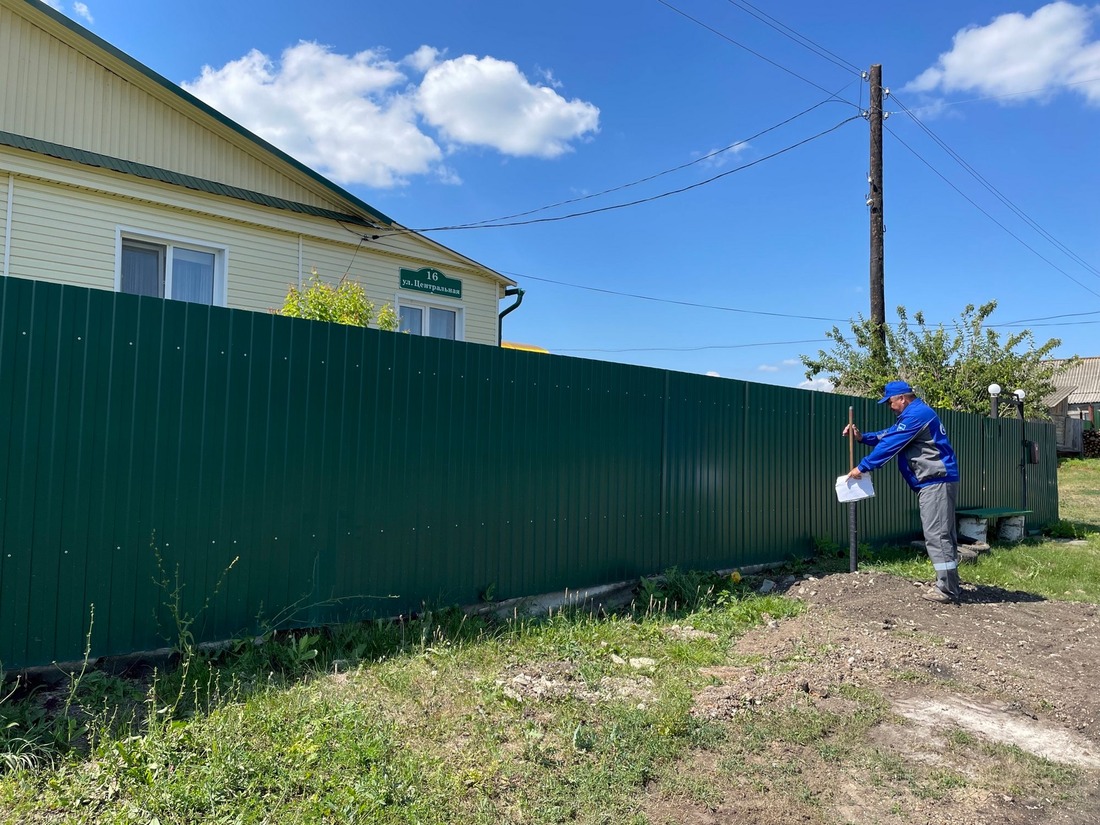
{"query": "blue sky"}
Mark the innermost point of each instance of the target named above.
(442, 114)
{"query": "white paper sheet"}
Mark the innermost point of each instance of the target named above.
(854, 489)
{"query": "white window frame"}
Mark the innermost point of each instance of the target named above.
(434, 303)
(219, 251)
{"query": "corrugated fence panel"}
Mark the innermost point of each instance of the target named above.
(251, 465)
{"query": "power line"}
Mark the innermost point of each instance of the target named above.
(678, 303)
(649, 199)
(1047, 318)
(730, 40)
(943, 104)
(832, 98)
(721, 308)
(1063, 324)
(1000, 196)
(696, 349)
(797, 37)
(973, 203)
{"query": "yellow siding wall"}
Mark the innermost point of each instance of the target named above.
(51, 91)
(65, 217)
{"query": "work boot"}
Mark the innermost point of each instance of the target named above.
(948, 583)
(934, 594)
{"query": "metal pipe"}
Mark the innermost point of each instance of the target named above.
(512, 290)
(853, 524)
(1023, 454)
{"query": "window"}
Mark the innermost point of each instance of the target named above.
(170, 268)
(433, 321)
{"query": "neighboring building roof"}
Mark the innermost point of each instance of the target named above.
(1059, 395)
(1082, 379)
(524, 347)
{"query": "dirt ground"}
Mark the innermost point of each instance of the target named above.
(987, 713)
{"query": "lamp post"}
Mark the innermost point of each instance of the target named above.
(1019, 400)
(994, 397)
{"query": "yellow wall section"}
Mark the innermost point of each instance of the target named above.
(65, 218)
(52, 92)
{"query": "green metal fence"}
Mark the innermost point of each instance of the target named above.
(146, 444)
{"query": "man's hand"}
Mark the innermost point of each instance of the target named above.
(855, 431)
(855, 473)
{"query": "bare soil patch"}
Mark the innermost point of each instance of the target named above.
(875, 706)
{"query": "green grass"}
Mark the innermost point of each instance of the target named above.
(428, 727)
(437, 720)
(1079, 492)
(1041, 566)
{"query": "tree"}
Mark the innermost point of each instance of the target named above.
(344, 303)
(950, 369)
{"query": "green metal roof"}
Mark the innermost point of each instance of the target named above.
(142, 170)
(193, 101)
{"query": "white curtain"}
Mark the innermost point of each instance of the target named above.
(142, 269)
(193, 276)
(412, 320)
(441, 323)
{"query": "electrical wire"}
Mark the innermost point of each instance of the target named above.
(740, 310)
(730, 40)
(834, 97)
(1048, 318)
(679, 303)
(1000, 196)
(1063, 324)
(973, 203)
(797, 37)
(353, 255)
(649, 199)
(695, 349)
(943, 104)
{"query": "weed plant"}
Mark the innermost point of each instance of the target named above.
(418, 720)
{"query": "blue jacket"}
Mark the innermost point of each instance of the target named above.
(926, 456)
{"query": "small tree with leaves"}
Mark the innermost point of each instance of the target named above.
(343, 303)
(950, 368)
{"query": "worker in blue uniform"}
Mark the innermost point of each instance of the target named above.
(927, 463)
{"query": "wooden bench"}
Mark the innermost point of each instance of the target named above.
(992, 514)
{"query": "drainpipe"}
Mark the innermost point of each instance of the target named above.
(512, 290)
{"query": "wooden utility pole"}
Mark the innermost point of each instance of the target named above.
(874, 202)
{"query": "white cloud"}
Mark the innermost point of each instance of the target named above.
(1025, 57)
(80, 10)
(818, 384)
(338, 114)
(488, 102)
(717, 158)
(714, 374)
(359, 119)
(423, 58)
(768, 368)
(791, 362)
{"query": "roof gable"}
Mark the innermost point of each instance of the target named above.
(69, 94)
(117, 107)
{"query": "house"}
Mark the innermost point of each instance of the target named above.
(1073, 403)
(115, 178)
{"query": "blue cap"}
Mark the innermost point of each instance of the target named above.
(895, 388)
